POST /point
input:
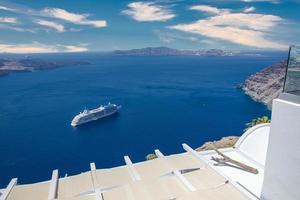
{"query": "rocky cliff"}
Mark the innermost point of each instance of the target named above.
(267, 84)
(224, 142)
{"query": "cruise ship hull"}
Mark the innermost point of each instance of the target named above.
(95, 115)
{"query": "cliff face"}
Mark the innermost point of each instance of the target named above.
(267, 84)
(224, 142)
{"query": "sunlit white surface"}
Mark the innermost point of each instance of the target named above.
(251, 149)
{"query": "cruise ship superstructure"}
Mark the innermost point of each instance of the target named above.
(272, 149)
(95, 114)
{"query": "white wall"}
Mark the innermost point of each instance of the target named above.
(254, 143)
(282, 169)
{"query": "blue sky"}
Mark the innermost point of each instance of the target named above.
(34, 26)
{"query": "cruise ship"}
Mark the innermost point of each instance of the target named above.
(95, 114)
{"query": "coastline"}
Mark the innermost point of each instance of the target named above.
(8, 66)
(265, 85)
(224, 142)
(261, 87)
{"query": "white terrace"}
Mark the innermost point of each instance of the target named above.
(180, 176)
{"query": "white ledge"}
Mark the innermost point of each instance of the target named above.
(94, 179)
(53, 185)
(8, 189)
(134, 174)
(177, 174)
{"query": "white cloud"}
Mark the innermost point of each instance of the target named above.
(36, 47)
(249, 9)
(58, 13)
(56, 26)
(80, 19)
(168, 37)
(71, 48)
(148, 11)
(6, 8)
(209, 9)
(240, 28)
(272, 1)
(8, 20)
(19, 29)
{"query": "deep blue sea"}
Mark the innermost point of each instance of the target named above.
(166, 101)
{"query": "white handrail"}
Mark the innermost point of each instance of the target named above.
(8, 189)
(53, 185)
(94, 179)
(134, 174)
(177, 174)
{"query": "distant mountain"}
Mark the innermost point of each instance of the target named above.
(165, 51)
(148, 51)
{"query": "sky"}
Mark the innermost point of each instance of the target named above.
(35, 26)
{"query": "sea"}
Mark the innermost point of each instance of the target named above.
(166, 101)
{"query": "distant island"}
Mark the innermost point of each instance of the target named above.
(13, 65)
(266, 85)
(165, 51)
(8, 66)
